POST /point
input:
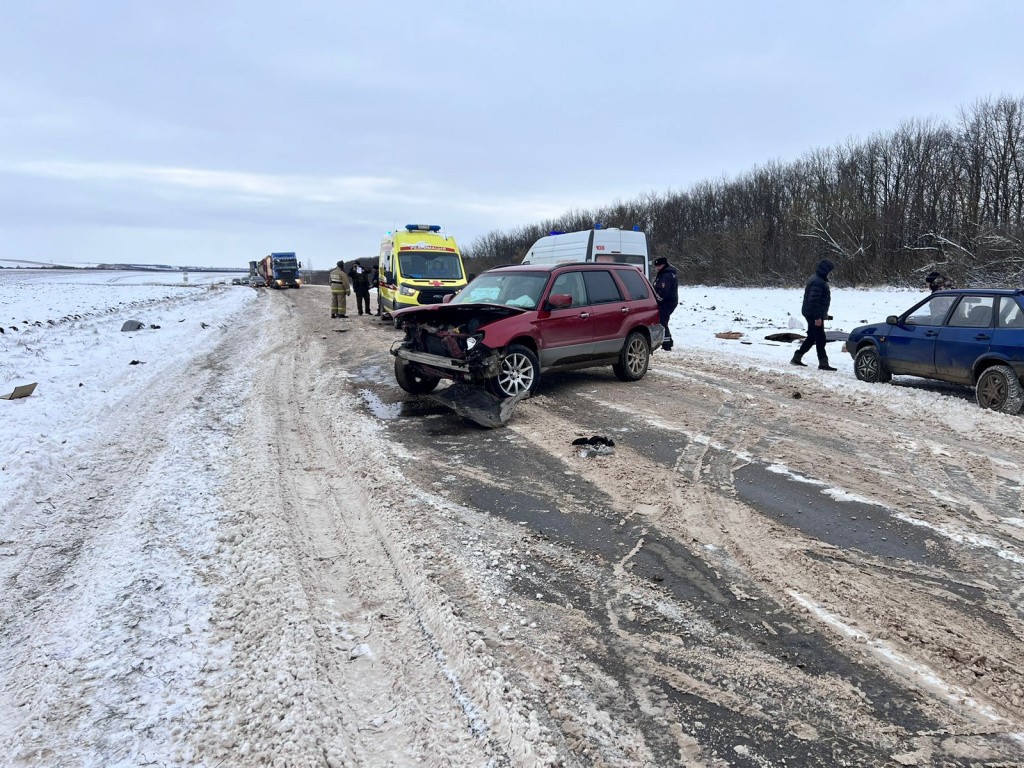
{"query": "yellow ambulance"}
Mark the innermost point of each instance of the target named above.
(418, 265)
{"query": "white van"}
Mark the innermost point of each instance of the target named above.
(600, 245)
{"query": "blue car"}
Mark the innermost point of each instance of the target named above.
(966, 336)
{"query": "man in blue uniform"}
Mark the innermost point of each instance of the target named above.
(666, 292)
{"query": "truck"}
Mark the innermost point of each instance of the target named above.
(600, 245)
(280, 270)
(418, 265)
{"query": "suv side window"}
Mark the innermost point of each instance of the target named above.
(571, 283)
(972, 312)
(636, 286)
(601, 287)
(1010, 313)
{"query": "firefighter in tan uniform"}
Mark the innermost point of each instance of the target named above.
(340, 289)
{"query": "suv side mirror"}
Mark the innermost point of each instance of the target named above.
(560, 300)
(892, 320)
(447, 298)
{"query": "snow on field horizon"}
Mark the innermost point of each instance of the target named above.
(112, 482)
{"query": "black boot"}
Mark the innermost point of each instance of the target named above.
(796, 360)
(824, 366)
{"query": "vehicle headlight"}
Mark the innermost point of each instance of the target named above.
(471, 342)
(406, 291)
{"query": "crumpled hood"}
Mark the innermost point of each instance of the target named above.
(455, 314)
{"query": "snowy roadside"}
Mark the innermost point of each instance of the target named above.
(110, 511)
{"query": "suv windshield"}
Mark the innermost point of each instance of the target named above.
(510, 289)
(430, 265)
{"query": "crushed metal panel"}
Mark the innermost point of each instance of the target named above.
(22, 390)
(477, 404)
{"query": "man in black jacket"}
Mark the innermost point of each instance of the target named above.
(817, 297)
(666, 292)
(361, 286)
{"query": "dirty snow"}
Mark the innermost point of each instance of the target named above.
(142, 562)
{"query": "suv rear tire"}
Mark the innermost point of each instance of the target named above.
(634, 358)
(868, 366)
(412, 382)
(999, 389)
(518, 371)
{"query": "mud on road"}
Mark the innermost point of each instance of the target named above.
(749, 579)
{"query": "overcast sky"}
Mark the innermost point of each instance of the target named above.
(212, 133)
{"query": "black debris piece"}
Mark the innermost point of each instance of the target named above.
(595, 440)
(137, 362)
(132, 325)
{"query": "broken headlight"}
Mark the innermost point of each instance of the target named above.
(472, 341)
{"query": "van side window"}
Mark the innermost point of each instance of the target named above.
(636, 285)
(601, 287)
(571, 283)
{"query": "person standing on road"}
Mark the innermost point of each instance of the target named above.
(339, 290)
(817, 298)
(666, 292)
(361, 285)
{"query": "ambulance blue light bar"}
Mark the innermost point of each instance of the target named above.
(423, 227)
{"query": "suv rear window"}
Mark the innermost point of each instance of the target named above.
(601, 287)
(636, 285)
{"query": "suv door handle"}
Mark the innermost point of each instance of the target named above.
(982, 337)
(584, 315)
(624, 310)
(931, 333)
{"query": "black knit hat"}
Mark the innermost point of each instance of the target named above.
(660, 261)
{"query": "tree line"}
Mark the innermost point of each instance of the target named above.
(931, 195)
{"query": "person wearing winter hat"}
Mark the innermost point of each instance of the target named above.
(936, 281)
(817, 298)
(666, 293)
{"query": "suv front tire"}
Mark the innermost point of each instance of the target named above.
(518, 372)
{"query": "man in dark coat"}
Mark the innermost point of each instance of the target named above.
(666, 292)
(817, 297)
(360, 286)
(936, 281)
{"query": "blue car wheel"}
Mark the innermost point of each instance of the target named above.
(868, 366)
(999, 389)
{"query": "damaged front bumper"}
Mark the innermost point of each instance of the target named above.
(479, 365)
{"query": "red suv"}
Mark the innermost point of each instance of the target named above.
(511, 324)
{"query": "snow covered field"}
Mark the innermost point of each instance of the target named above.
(117, 532)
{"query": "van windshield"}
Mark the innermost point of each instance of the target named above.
(430, 265)
(511, 289)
